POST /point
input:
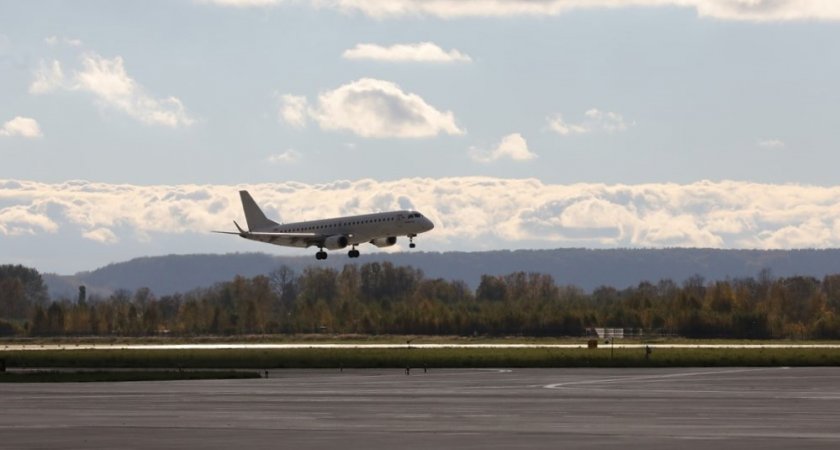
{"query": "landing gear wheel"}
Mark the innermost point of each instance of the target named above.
(321, 255)
(353, 253)
(412, 245)
(411, 241)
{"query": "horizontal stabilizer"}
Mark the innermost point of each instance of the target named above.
(241, 232)
(226, 232)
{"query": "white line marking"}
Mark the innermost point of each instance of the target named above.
(644, 378)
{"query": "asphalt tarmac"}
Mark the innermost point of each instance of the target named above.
(725, 408)
(299, 345)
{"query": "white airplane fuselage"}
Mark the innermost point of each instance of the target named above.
(379, 229)
(363, 228)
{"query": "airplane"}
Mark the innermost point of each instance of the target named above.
(379, 229)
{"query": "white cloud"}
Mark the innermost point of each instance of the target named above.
(771, 143)
(293, 110)
(48, 78)
(21, 126)
(595, 120)
(109, 82)
(595, 213)
(741, 10)
(18, 220)
(420, 52)
(245, 3)
(470, 213)
(745, 10)
(767, 10)
(375, 109)
(55, 40)
(606, 120)
(101, 235)
(512, 146)
(560, 126)
(111, 85)
(289, 156)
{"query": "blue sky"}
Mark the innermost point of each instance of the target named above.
(621, 120)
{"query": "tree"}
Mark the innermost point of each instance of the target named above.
(318, 283)
(93, 320)
(13, 304)
(39, 322)
(151, 318)
(55, 319)
(21, 288)
(284, 284)
(491, 289)
(82, 295)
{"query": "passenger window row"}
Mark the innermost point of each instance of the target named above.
(319, 227)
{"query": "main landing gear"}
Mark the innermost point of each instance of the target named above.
(353, 253)
(411, 243)
(321, 254)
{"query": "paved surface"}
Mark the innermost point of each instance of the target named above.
(234, 346)
(767, 408)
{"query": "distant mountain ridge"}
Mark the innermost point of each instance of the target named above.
(586, 268)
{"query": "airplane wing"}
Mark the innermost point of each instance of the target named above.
(286, 239)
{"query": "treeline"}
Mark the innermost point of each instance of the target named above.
(380, 298)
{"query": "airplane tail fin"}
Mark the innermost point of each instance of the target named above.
(253, 214)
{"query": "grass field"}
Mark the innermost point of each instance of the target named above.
(368, 339)
(414, 357)
(47, 376)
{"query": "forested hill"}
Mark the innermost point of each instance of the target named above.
(585, 268)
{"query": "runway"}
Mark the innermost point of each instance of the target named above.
(281, 346)
(768, 408)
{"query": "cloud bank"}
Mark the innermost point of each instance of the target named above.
(470, 213)
(741, 10)
(107, 80)
(370, 108)
(420, 52)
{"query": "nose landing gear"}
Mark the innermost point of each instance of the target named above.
(353, 253)
(411, 243)
(321, 254)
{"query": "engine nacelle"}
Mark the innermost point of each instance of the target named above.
(336, 242)
(384, 242)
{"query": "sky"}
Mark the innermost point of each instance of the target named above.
(127, 128)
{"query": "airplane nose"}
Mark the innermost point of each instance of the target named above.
(429, 225)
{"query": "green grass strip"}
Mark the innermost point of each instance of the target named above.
(123, 375)
(402, 357)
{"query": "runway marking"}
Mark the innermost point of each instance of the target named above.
(644, 378)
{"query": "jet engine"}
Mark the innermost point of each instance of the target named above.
(336, 242)
(384, 242)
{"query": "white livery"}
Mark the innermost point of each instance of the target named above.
(379, 229)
